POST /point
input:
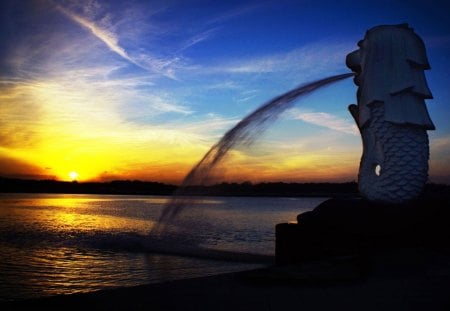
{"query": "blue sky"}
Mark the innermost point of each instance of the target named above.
(142, 89)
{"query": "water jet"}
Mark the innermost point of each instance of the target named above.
(243, 133)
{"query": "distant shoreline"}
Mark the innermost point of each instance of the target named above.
(136, 187)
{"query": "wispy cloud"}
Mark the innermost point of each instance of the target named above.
(325, 120)
(439, 156)
(441, 144)
(319, 57)
(224, 85)
(213, 126)
(440, 149)
(197, 38)
(111, 40)
(235, 13)
(104, 35)
(246, 96)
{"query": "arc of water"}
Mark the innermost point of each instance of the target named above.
(245, 132)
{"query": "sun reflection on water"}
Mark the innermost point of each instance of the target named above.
(64, 214)
(59, 244)
(66, 270)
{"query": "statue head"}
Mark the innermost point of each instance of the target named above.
(389, 67)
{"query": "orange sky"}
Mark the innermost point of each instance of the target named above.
(142, 90)
(64, 133)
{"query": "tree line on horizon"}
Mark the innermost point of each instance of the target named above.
(137, 187)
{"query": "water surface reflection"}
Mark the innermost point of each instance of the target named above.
(60, 244)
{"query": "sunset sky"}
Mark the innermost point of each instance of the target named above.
(103, 90)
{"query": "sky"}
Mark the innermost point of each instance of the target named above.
(102, 90)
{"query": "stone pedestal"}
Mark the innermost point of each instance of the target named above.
(340, 227)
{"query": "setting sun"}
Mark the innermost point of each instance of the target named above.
(73, 175)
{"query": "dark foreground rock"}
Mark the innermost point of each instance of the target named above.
(354, 226)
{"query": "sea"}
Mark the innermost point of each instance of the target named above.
(55, 244)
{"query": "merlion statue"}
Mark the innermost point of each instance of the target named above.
(391, 113)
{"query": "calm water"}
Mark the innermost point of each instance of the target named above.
(61, 244)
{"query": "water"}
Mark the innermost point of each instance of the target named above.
(243, 134)
(60, 244)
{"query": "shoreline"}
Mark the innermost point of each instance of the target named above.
(225, 189)
(401, 279)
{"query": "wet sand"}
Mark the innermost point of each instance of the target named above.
(405, 279)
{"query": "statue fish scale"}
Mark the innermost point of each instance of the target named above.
(391, 113)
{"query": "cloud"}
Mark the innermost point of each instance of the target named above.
(197, 38)
(439, 159)
(106, 34)
(33, 109)
(150, 104)
(87, 126)
(440, 149)
(16, 168)
(325, 120)
(230, 14)
(246, 96)
(223, 85)
(307, 61)
(214, 125)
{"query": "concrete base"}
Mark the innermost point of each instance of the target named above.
(342, 227)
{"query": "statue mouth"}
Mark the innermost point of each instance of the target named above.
(353, 61)
(357, 79)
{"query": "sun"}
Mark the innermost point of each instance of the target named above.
(73, 175)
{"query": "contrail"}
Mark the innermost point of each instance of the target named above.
(107, 37)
